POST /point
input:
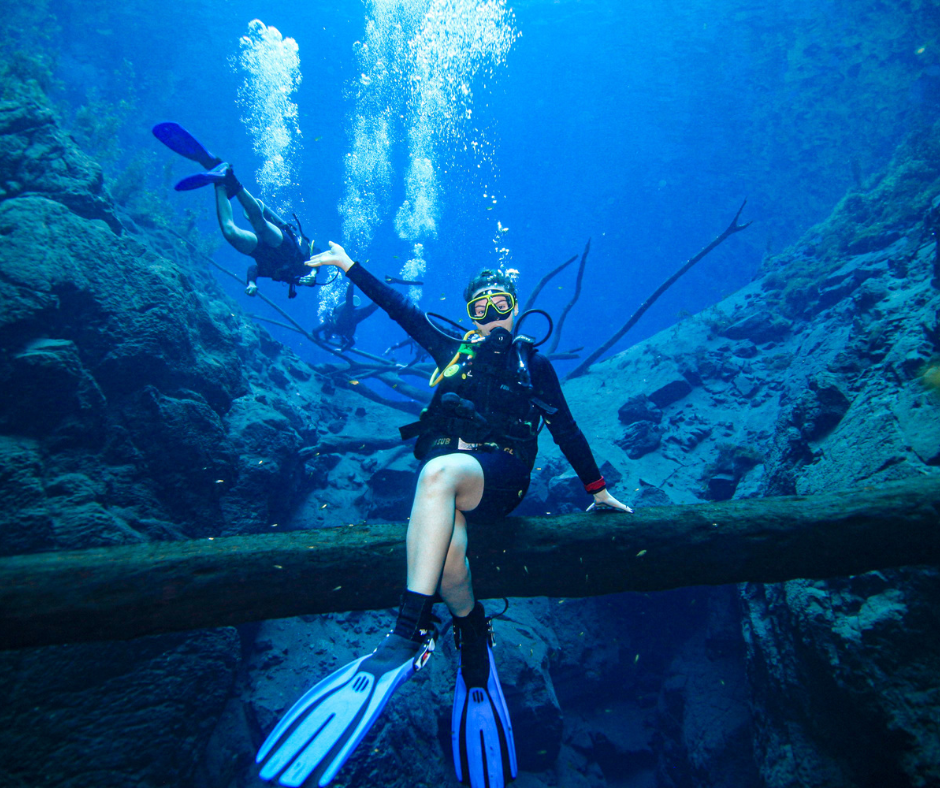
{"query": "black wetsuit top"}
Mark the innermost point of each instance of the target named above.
(283, 263)
(545, 385)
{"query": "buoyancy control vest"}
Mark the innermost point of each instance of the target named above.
(484, 397)
(285, 262)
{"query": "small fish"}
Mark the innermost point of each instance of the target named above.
(354, 382)
(394, 280)
(642, 552)
(317, 139)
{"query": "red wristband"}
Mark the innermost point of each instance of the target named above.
(595, 487)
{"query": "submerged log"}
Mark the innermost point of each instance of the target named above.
(129, 591)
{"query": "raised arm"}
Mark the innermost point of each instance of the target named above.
(398, 307)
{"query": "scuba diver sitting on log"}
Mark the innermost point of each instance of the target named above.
(477, 442)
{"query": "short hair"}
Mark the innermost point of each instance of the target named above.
(491, 278)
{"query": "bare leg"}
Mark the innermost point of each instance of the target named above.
(267, 233)
(244, 241)
(447, 486)
(456, 588)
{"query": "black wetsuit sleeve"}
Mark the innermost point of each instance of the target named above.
(405, 313)
(252, 274)
(565, 432)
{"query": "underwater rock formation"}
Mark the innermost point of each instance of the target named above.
(137, 404)
(837, 390)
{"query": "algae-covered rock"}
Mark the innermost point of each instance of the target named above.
(759, 328)
(25, 521)
(115, 714)
(137, 403)
(37, 157)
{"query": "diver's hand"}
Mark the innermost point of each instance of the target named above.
(251, 289)
(605, 502)
(336, 256)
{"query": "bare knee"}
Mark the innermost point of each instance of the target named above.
(439, 477)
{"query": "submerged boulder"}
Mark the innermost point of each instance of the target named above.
(760, 327)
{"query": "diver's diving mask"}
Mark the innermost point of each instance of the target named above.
(489, 307)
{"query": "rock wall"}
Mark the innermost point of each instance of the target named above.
(137, 403)
(820, 375)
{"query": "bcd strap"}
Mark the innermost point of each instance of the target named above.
(409, 431)
(547, 409)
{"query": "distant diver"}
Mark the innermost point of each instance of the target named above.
(477, 443)
(343, 320)
(278, 247)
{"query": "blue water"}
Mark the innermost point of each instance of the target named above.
(642, 126)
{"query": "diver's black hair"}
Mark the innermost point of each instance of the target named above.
(490, 277)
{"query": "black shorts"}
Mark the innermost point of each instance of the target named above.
(505, 481)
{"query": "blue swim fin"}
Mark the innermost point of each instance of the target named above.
(481, 732)
(321, 730)
(180, 141)
(219, 174)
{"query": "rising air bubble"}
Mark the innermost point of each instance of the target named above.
(271, 67)
(419, 59)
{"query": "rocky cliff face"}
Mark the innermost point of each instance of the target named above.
(820, 375)
(137, 403)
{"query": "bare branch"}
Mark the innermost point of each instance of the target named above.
(732, 228)
(530, 301)
(577, 292)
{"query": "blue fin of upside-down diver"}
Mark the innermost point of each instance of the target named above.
(319, 733)
(180, 141)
